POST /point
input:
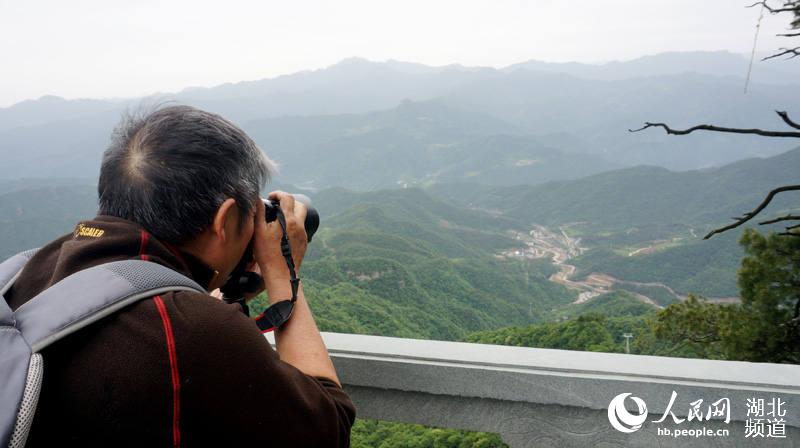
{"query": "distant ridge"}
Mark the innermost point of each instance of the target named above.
(714, 63)
(717, 63)
(558, 107)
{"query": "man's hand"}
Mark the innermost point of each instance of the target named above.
(298, 341)
(267, 244)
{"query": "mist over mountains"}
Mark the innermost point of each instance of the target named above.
(365, 125)
(717, 63)
(460, 162)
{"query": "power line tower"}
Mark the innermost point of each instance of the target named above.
(627, 337)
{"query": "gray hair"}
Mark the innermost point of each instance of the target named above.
(171, 168)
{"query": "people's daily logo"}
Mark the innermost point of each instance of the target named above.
(621, 419)
(766, 417)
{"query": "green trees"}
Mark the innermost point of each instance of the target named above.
(770, 287)
(765, 327)
(378, 434)
(695, 322)
(591, 332)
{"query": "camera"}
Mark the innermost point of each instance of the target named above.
(242, 282)
(312, 217)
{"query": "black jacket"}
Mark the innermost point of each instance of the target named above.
(180, 369)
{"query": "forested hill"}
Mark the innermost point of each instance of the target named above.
(642, 195)
(401, 263)
(445, 245)
(645, 224)
(416, 144)
(394, 262)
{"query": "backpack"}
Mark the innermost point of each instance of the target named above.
(71, 304)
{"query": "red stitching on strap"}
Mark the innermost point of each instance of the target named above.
(144, 236)
(176, 380)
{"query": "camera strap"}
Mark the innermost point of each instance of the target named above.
(279, 312)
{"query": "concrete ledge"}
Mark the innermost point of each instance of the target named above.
(540, 397)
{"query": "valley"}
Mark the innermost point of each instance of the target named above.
(419, 185)
(559, 247)
(505, 205)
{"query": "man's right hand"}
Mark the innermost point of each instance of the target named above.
(298, 341)
(267, 244)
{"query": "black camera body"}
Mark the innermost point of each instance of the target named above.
(242, 282)
(312, 216)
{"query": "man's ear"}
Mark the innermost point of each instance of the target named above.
(225, 212)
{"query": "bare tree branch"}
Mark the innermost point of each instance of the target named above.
(782, 218)
(790, 7)
(772, 10)
(708, 127)
(788, 228)
(785, 117)
(749, 215)
(793, 52)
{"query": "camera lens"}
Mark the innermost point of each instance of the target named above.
(311, 223)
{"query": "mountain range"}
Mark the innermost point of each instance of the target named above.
(641, 196)
(655, 214)
(364, 117)
(430, 180)
(427, 177)
(645, 223)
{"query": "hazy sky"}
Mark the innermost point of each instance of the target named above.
(109, 48)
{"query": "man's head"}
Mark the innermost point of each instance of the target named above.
(191, 178)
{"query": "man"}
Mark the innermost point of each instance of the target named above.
(180, 187)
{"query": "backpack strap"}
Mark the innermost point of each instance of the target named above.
(11, 268)
(9, 271)
(92, 294)
(15, 354)
(69, 305)
(19, 372)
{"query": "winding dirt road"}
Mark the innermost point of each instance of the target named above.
(541, 242)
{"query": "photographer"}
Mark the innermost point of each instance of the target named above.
(180, 187)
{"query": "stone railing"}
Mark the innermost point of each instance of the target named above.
(538, 397)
